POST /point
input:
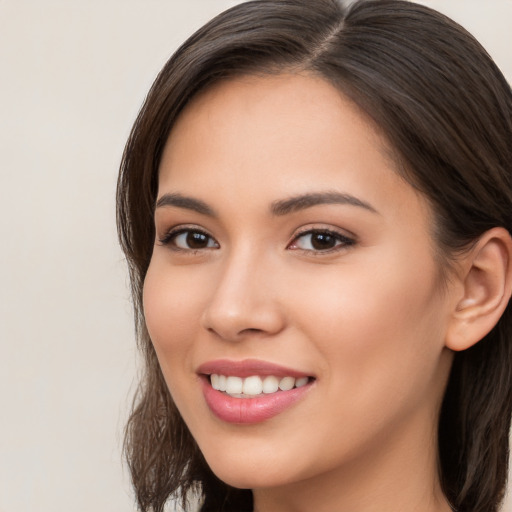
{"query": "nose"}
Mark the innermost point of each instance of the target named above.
(245, 301)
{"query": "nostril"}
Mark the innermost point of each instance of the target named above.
(235, 320)
(238, 334)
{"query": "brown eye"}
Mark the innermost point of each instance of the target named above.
(196, 240)
(189, 239)
(321, 241)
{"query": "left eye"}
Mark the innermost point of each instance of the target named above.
(190, 239)
(319, 241)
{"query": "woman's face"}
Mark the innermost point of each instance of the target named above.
(290, 253)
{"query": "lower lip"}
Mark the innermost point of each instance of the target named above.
(250, 410)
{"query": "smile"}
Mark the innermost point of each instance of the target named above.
(251, 391)
(255, 385)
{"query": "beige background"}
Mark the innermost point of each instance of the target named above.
(72, 77)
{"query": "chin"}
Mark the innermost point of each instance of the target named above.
(250, 478)
(243, 470)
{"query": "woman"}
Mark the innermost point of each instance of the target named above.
(315, 204)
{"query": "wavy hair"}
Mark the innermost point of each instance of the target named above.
(446, 110)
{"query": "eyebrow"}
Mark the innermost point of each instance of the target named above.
(301, 202)
(278, 208)
(189, 203)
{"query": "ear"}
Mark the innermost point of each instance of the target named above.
(486, 275)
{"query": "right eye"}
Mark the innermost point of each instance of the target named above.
(189, 240)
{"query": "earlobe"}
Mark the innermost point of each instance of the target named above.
(487, 288)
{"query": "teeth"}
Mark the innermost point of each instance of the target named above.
(234, 385)
(301, 382)
(222, 383)
(270, 384)
(254, 385)
(286, 383)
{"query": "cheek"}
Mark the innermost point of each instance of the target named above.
(378, 324)
(171, 302)
(171, 308)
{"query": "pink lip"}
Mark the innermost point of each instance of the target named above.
(247, 368)
(249, 410)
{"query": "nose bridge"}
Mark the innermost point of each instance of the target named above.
(244, 300)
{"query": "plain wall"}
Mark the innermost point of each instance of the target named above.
(73, 75)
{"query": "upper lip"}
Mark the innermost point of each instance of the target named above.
(247, 368)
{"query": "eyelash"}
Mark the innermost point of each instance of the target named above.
(341, 241)
(170, 237)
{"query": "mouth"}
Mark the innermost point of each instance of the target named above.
(251, 391)
(255, 385)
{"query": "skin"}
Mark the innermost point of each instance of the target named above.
(368, 319)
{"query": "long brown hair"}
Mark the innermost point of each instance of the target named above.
(446, 110)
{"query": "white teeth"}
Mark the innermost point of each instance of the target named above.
(270, 384)
(218, 382)
(286, 383)
(301, 382)
(254, 385)
(234, 385)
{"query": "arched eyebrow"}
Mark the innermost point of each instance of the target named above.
(278, 208)
(189, 203)
(303, 201)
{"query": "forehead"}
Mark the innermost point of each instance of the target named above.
(254, 115)
(276, 136)
(289, 95)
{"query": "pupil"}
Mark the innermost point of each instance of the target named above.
(322, 241)
(197, 240)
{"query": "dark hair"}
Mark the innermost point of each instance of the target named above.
(445, 109)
